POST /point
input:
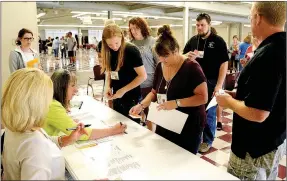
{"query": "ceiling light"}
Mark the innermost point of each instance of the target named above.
(77, 15)
(41, 14)
(73, 26)
(80, 12)
(171, 25)
(131, 13)
(216, 22)
(247, 25)
(148, 16)
(77, 26)
(246, 2)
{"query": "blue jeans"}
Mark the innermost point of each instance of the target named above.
(210, 125)
(56, 52)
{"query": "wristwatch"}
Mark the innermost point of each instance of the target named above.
(177, 103)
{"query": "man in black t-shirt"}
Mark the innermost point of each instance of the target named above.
(259, 120)
(210, 51)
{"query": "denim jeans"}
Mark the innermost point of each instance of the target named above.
(56, 52)
(210, 125)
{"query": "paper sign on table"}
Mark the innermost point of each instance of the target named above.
(172, 120)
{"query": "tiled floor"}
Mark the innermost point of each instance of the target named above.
(85, 61)
(218, 155)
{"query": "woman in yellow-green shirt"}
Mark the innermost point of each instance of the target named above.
(58, 119)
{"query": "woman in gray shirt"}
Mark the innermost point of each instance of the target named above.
(140, 36)
(24, 56)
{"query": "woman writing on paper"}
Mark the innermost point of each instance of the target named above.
(183, 85)
(122, 63)
(65, 87)
(24, 56)
(29, 153)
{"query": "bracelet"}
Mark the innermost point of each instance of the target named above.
(176, 103)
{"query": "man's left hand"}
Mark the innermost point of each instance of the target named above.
(223, 100)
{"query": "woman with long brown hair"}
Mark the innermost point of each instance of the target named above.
(122, 63)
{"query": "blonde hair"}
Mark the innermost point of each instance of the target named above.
(272, 11)
(111, 31)
(109, 22)
(247, 39)
(25, 100)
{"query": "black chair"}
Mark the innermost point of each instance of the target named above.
(97, 76)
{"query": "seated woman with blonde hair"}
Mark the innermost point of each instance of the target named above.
(57, 118)
(29, 153)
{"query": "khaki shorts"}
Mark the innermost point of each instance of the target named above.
(261, 168)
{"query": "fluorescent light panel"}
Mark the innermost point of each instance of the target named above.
(103, 18)
(92, 26)
(40, 15)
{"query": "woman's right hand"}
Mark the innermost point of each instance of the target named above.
(75, 135)
(136, 110)
(119, 128)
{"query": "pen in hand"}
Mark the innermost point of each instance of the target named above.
(72, 129)
(81, 104)
(121, 125)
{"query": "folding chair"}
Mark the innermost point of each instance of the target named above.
(97, 76)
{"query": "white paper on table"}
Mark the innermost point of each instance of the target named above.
(212, 103)
(172, 120)
(109, 161)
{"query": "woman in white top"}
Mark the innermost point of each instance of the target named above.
(29, 154)
(24, 56)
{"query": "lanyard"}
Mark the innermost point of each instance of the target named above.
(198, 43)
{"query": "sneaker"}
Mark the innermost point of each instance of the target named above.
(219, 126)
(204, 147)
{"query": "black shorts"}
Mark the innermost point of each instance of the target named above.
(71, 53)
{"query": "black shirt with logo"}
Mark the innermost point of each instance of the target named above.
(132, 59)
(262, 85)
(215, 53)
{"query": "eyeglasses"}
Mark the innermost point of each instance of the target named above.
(29, 39)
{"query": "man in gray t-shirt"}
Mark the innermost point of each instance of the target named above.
(72, 46)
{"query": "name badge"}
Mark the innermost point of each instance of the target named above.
(115, 75)
(200, 54)
(161, 98)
